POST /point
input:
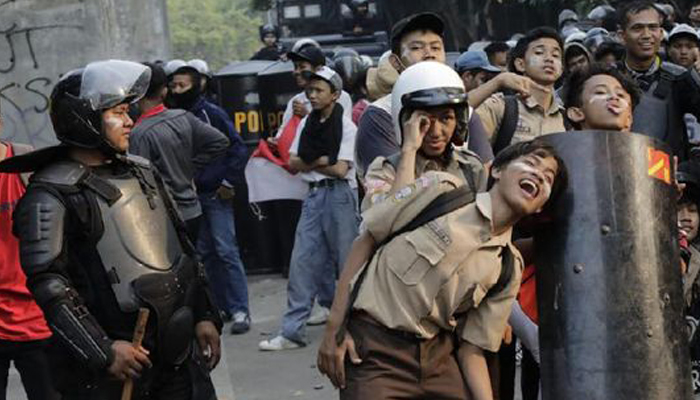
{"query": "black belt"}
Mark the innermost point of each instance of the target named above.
(325, 183)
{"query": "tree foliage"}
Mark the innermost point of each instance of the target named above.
(218, 31)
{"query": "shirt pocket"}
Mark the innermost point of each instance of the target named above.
(417, 254)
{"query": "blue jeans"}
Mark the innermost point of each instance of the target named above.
(327, 227)
(218, 249)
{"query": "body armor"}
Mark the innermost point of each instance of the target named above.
(146, 258)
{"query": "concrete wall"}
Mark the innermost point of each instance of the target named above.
(42, 39)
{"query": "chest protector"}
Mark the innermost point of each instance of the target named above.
(142, 250)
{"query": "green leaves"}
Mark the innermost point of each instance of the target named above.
(218, 31)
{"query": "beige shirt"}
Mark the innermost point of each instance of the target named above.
(437, 276)
(381, 173)
(533, 121)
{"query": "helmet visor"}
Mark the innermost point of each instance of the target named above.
(106, 84)
(445, 96)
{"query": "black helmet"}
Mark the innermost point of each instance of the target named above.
(80, 97)
(348, 64)
(358, 3)
(689, 173)
(268, 29)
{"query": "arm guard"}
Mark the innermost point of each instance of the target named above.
(71, 321)
(39, 225)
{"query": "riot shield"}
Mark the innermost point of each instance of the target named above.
(608, 274)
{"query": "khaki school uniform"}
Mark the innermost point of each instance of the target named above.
(381, 173)
(425, 292)
(533, 120)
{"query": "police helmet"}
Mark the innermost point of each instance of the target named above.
(173, 65)
(425, 85)
(80, 97)
(201, 66)
(268, 29)
(688, 173)
(348, 64)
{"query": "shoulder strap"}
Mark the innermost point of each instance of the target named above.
(508, 124)
(441, 205)
(664, 85)
(507, 268)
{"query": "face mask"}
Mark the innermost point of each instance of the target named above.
(183, 100)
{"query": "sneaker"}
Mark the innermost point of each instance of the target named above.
(319, 316)
(241, 323)
(278, 343)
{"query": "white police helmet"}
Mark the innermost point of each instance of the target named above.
(429, 84)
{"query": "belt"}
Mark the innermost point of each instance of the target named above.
(325, 183)
(368, 319)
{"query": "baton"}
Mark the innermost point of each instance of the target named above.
(139, 332)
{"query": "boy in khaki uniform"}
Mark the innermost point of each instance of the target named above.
(538, 56)
(425, 311)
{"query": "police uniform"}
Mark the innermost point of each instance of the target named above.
(425, 292)
(381, 174)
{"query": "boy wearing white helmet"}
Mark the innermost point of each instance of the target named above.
(430, 115)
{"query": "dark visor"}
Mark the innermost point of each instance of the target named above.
(434, 98)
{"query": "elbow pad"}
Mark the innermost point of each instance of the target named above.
(71, 322)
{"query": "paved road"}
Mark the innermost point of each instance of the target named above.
(248, 374)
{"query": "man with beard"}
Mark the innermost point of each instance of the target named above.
(216, 243)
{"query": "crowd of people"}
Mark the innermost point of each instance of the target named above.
(414, 175)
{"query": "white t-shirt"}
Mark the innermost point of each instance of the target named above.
(344, 101)
(346, 152)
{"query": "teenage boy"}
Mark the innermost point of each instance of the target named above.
(24, 334)
(323, 152)
(683, 44)
(415, 39)
(216, 241)
(425, 312)
(307, 59)
(538, 56)
(475, 69)
(670, 91)
(601, 98)
(177, 144)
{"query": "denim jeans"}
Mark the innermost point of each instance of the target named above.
(218, 249)
(327, 227)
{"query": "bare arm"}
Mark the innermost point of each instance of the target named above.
(331, 354)
(475, 372)
(299, 165)
(337, 170)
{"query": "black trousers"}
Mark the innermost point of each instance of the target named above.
(33, 366)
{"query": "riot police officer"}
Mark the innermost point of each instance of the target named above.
(100, 238)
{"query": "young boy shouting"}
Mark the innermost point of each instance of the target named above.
(425, 311)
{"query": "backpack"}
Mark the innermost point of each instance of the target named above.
(508, 124)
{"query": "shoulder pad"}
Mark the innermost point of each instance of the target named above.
(39, 226)
(61, 173)
(138, 161)
(673, 69)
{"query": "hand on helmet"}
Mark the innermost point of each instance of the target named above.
(415, 129)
